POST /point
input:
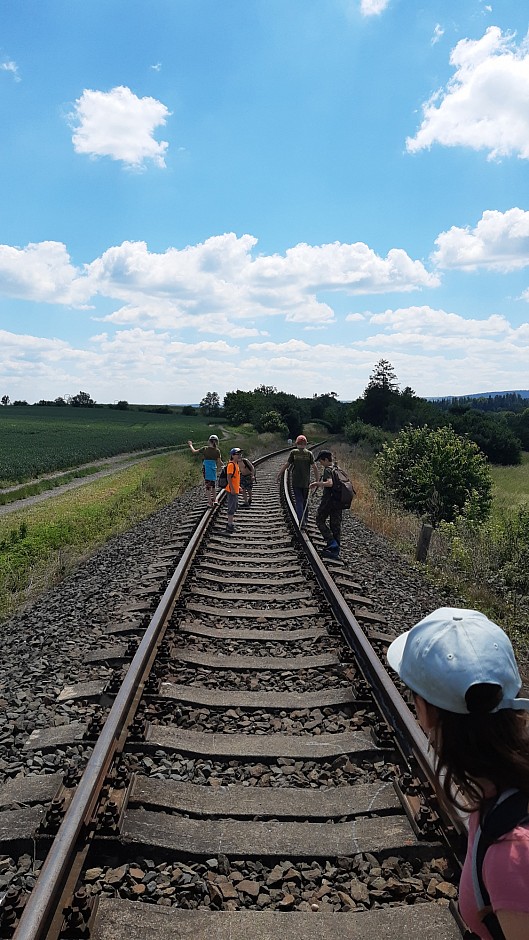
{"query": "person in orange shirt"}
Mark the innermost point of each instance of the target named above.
(233, 486)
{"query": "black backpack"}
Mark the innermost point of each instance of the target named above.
(342, 489)
(222, 479)
(507, 812)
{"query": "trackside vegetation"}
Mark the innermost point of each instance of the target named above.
(435, 473)
(40, 544)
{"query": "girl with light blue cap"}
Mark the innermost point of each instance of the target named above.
(461, 669)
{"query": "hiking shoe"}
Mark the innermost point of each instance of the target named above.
(331, 553)
(230, 529)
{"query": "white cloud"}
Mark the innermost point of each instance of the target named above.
(500, 241)
(210, 284)
(355, 317)
(484, 105)
(219, 280)
(434, 351)
(12, 67)
(373, 7)
(41, 272)
(438, 34)
(119, 125)
(420, 324)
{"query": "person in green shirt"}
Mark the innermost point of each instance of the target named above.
(301, 460)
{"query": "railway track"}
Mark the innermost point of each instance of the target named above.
(257, 771)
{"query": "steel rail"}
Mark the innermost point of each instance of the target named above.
(390, 702)
(45, 896)
(41, 906)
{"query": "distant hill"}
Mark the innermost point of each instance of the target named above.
(522, 392)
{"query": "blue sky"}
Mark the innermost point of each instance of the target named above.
(202, 196)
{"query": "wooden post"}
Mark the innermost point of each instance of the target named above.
(423, 543)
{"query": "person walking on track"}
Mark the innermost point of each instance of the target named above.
(211, 463)
(247, 479)
(233, 486)
(461, 669)
(301, 460)
(330, 507)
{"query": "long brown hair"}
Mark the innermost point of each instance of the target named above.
(492, 746)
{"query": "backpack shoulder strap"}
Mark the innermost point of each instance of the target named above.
(507, 812)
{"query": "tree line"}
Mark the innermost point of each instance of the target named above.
(499, 425)
(379, 413)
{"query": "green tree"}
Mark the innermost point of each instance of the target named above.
(490, 432)
(5, 400)
(210, 404)
(82, 400)
(239, 407)
(436, 474)
(272, 421)
(382, 389)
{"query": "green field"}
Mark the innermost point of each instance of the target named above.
(511, 484)
(36, 440)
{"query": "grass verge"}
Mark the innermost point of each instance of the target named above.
(486, 566)
(40, 544)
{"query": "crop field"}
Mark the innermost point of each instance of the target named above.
(37, 440)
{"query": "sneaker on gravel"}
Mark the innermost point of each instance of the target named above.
(331, 553)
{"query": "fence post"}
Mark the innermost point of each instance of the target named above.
(423, 543)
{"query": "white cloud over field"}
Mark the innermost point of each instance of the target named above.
(41, 272)
(484, 104)
(500, 241)
(435, 351)
(119, 125)
(212, 286)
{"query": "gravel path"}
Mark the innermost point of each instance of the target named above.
(123, 462)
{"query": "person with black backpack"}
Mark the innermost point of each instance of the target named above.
(461, 669)
(332, 503)
(248, 478)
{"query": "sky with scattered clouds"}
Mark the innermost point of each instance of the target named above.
(201, 196)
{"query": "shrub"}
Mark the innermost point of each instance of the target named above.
(358, 432)
(435, 474)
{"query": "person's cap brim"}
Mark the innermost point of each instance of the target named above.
(396, 651)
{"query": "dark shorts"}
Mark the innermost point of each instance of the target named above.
(210, 485)
(246, 482)
(233, 503)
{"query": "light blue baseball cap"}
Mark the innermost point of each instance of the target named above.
(449, 651)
